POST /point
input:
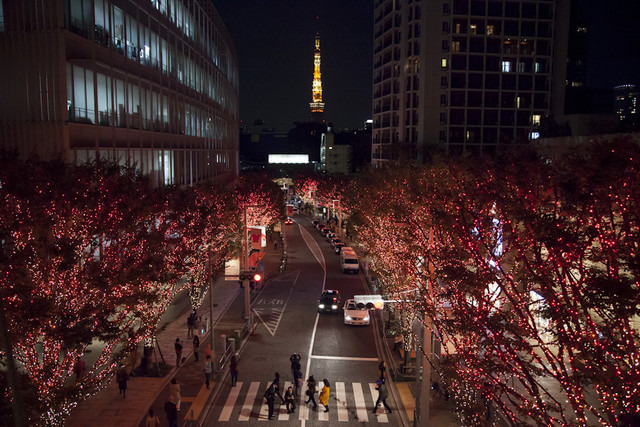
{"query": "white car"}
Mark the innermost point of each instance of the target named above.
(354, 315)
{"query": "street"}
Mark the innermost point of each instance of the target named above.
(288, 322)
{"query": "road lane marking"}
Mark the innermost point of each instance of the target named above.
(382, 418)
(341, 400)
(345, 358)
(245, 413)
(225, 415)
(361, 405)
(283, 415)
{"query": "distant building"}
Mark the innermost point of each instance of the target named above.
(465, 75)
(335, 157)
(626, 105)
(147, 82)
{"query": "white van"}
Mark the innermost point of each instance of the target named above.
(349, 262)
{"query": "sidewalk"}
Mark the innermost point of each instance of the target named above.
(108, 408)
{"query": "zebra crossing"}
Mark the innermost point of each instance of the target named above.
(348, 402)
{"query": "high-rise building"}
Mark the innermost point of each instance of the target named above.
(626, 104)
(465, 75)
(316, 105)
(151, 83)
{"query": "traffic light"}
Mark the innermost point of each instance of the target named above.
(252, 276)
(369, 302)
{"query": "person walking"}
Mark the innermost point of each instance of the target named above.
(207, 351)
(323, 398)
(178, 348)
(290, 399)
(295, 364)
(208, 368)
(382, 396)
(174, 392)
(233, 369)
(382, 369)
(297, 381)
(276, 383)
(270, 397)
(151, 420)
(172, 412)
(311, 390)
(196, 346)
(79, 368)
(191, 323)
(122, 377)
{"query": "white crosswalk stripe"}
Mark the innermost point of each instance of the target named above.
(348, 402)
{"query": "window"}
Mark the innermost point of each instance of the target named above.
(445, 27)
(455, 46)
(443, 100)
(443, 118)
(473, 29)
(444, 64)
(444, 82)
(445, 46)
(506, 66)
(535, 119)
(458, 29)
(490, 30)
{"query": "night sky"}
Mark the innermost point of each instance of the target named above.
(274, 41)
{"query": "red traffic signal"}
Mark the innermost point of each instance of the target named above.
(251, 276)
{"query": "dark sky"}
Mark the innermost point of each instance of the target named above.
(614, 41)
(274, 40)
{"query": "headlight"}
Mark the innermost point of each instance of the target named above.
(334, 307)
(366, 318)
(347, 317)
(321, 306)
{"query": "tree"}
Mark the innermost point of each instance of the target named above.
(79, 252)
(526, 272)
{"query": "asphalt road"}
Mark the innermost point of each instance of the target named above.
(289, 322)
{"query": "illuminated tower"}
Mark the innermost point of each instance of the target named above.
(316, 105)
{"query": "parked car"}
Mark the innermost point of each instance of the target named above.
(354, 315)
(325, 231)
(315, 222)
(329, 301)
(288, 221)
(349, 262)
(320, 226)
(338, 247)
(335, 241)
(330, 236)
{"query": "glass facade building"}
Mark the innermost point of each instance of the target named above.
(149, 83)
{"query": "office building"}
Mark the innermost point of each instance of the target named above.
(465, 75)
(150, 83)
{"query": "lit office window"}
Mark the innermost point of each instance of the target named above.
(506, 66)
(443, 63)
(490, 30)
(535, 119)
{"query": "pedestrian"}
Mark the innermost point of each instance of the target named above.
(290, 398)
(381, 370)
(208, 368)
(207, 351)
(233, 369)
(275, 244)
(382, 396)
(172, 412)
(174, 392)
(295, 364)
(270, 397)
(398, 341)
(122, 377)
(78, 368)
(276, 383)
(311, 390)
(178, 347)
(191, 321)
(196, 346)
(152, 420)
(297, 383)
(323, 398)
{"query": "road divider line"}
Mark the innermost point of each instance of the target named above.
(344, 358)
(225, 415)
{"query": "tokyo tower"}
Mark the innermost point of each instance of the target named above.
(316, 104)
